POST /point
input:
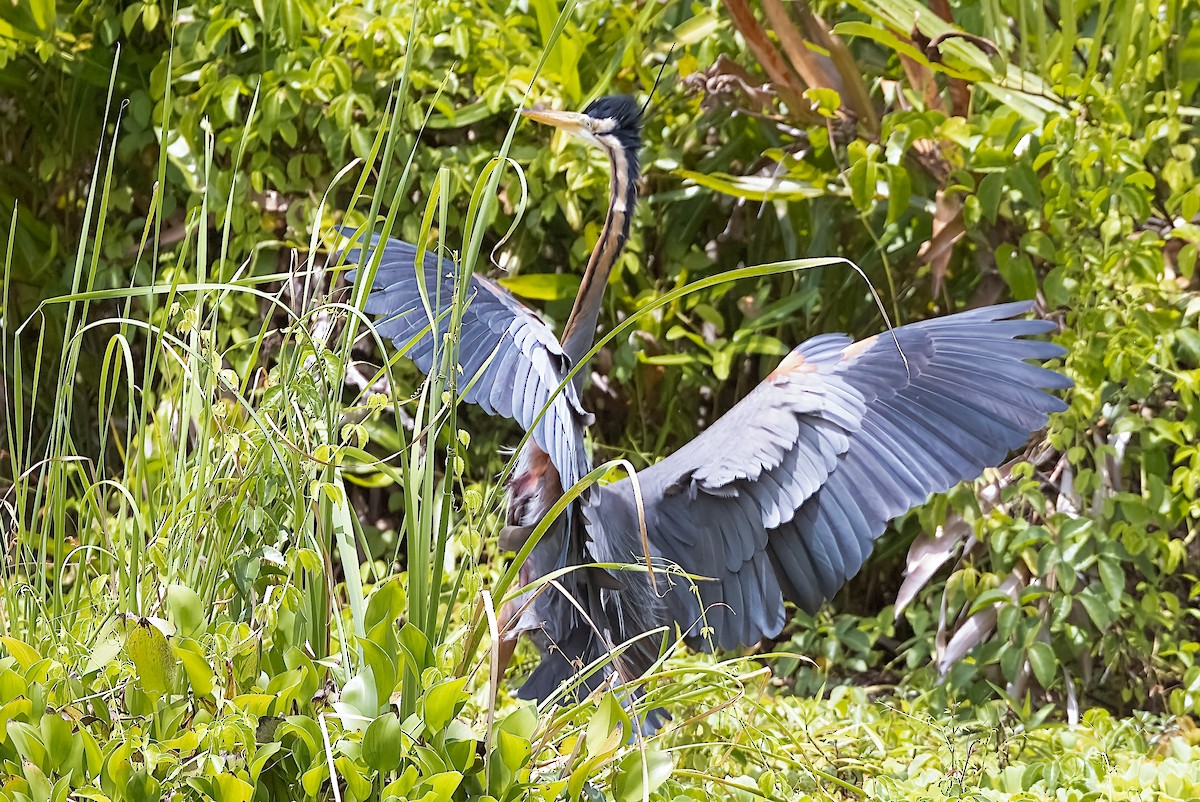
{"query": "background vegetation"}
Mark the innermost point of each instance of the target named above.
(229, 574)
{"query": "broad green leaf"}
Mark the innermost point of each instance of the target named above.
(1017, 272)
(153, 658)
(361, 695)
(229, 788)
(442, 701)
(608, 727)
(697, 28)
(25, 654)
(1044, 663)
(383, 744)
(641, 774)
(989, 598)
(185, 609)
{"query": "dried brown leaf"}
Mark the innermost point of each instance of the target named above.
(948, 228)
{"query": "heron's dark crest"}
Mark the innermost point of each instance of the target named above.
(620, 117)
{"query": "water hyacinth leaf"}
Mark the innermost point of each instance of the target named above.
(521, 722)
(387, 603)
(152, 656)
(28, 742)
(185, 609)
(57, 736)
(199, 673)
(262, 754)
(25, 654)
(441, 786)
(361, 695)
(383, 743)
(641, 773)
(354, 775)
(442, 701)
(228, 788)
(383, 667)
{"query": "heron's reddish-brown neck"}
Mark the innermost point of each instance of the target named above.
(580, 330)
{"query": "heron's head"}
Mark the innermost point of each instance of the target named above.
(613, 122)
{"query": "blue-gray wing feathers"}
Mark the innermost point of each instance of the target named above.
(511, 362)
(785, 494)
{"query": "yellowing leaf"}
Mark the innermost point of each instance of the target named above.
(543, 286)
(24, 653)
(153, 659)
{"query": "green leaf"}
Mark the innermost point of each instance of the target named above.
(199, 673)
(361, 695)
(990, 192)
(543, 286)
(185, 609)
(696, 28)
(756, 188)
(1097, 610)
(1112, 576)
(387, 603)
(442, 701)
(229, 788)
(25, 654)
(1017, 271)
(641, 774)
(1044, 663)
(988, 599)
(383, 744)
(152, 656)
(58, 738)
(608, 728)
(825, 102)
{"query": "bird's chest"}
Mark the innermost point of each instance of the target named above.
(533, 487)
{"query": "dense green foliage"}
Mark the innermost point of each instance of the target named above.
(191, 606)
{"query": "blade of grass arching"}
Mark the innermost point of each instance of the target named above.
(436, 629)
(193, 469)
(483, 200)
(364, 279)
(118, 354)
(365, 275)
(480, 212)
(12, 373)
(424, 503)
(234, 170)
(429, 543)
(343, 533)
(152, 498)
(10, 363)
(387, 136)
(60, 425)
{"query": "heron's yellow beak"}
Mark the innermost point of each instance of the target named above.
(570, 121)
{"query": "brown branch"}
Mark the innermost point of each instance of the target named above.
(814, 68)
(856, 96)
(787, 82)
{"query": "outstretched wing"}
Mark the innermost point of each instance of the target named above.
(510, 361)
(784, 495)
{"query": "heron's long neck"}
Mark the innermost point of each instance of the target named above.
(581, 325)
